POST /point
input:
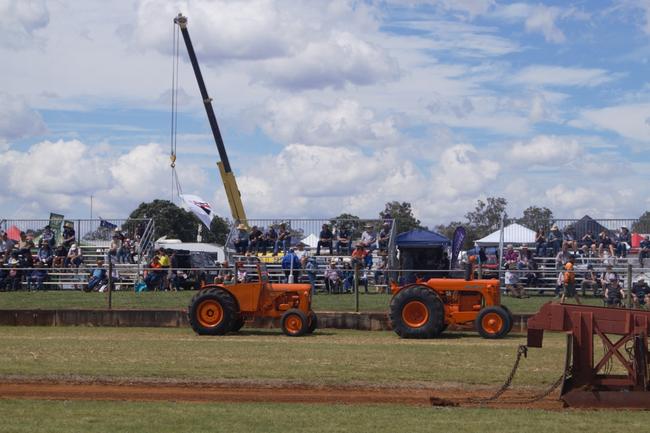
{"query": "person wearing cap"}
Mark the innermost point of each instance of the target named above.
(569, 283)
(284, 240)
(555, 239)
(74, 257)
(6, 244)
(45, 254)
(325, 239)
(241, 240)
(623, 241)
(369, 237)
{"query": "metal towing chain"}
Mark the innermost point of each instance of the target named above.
(522, 350)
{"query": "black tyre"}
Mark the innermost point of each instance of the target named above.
(493, 322)
(313, 322)
(417, 312)
(238, 324)
(212, 312)
(295, 323)
(512, 318)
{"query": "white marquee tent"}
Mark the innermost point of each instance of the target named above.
(515, 234)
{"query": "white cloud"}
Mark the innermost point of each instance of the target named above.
(537, 19)
(298, 119)
(461, 172)
(60, 175)
(547, 75)
(298, 45)
(630, 121)
(17, 119)
(545, 149)
(19, 19)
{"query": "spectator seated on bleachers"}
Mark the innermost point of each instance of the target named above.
(325, 239)
(45, 255)
(590, 281)
(384, 237)
(641, 294)
(554, 240)
(283, 240)
(369, 238)
(614, 292)
(4, 273)
(589, 244)
(347, 276)
(343, 242)
(98, 277)
(60, 254)
(623, 242)
(644, 249)
(74, 258)
(255, 240)
(155, 274)
(605, 243)
(37, 276)
(569, 236)
(241, 240)
(333, 281)
(513, 286)
(48, 236)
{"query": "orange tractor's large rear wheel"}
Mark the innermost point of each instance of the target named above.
(417, 312)
(493, 322)
(212, 312)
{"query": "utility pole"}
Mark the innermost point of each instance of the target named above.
(91, 206)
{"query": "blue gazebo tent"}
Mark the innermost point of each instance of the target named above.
(422, 250)
(418, 238)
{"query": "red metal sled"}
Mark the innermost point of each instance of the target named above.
(624, 334)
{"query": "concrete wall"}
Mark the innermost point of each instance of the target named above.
(178, 318)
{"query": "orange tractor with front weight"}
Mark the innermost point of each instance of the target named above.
(221, 308)
(426, 308)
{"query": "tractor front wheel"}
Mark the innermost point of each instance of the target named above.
(294, 323)
(212, 312)
(417, 312)
(237, 324)
(493, 322)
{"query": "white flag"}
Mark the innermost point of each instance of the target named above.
(198, 207)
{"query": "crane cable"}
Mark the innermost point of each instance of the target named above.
(175, 183)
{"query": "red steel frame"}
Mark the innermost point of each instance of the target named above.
(587, 384)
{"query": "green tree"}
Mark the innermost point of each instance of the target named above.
(642, 225)
(174, 222)
(219, 228)
(349, 222)
(486, 217)
(536, 217)
(402, 213)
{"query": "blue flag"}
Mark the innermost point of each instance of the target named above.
(457, 244)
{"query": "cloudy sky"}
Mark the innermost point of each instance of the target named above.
(329, 107)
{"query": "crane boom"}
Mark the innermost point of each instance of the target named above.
(227, 176)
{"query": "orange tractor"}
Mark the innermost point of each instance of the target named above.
(425, 309)
(221, 308)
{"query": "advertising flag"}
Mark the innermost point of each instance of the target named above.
(457, 244)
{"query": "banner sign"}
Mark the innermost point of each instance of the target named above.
(457, 244)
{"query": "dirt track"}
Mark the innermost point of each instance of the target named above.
(258, 393)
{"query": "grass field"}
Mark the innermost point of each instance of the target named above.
(332, 357)
(180, 300)
(89, 417)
